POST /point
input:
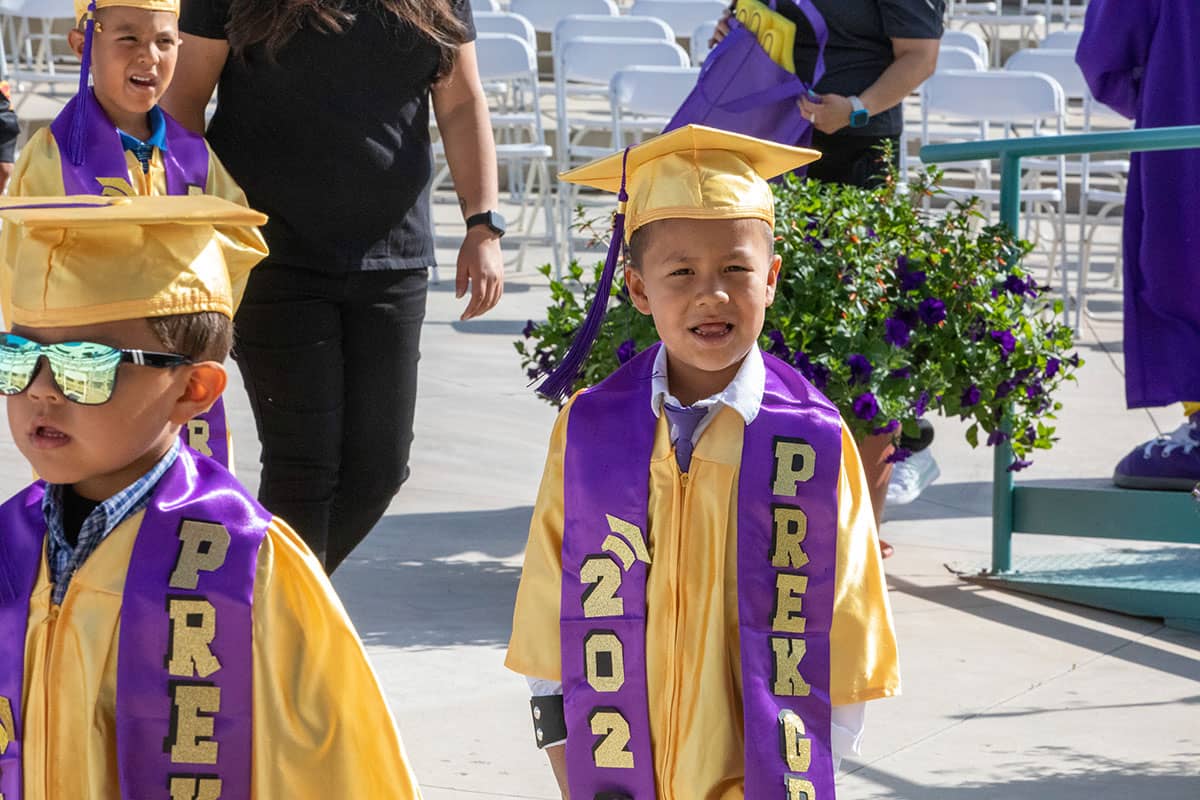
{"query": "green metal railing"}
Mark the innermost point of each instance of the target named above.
(1095, 512)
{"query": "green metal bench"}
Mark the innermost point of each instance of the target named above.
(1162, 582)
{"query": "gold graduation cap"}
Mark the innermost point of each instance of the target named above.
(83, 260)
(82, 6)
(694, 172)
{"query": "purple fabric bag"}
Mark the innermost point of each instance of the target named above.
(742, 90)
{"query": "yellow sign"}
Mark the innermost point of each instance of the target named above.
(776, 33)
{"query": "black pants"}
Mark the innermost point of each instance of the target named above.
(851, 160)
(330, 364)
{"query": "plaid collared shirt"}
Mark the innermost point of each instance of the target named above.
(63, 559)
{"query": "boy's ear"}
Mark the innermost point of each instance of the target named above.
(773, 277)
(75, 40)
(635, 284)
(206, 380)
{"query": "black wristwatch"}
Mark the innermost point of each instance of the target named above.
(492, 219)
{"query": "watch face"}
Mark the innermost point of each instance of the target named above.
(859, 118)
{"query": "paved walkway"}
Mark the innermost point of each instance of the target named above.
(1005, 696)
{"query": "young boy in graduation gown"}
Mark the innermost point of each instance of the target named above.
(113, 139)
(702, 611)
(1143, 66)
(165, 636)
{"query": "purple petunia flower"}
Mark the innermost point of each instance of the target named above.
(1007, 342)
(866, 407)
(896, 332)
(1017, 465)
(820, 376)
(970, 396)
(529, 329)
(997, 437)
(922, 404)
(1005, 388)
(1052, 366)
(860, 368)
(1033, 390)
(931, 311)
(814, 242)
(975, 329)
(903, 374)
(626, 350)
(1030, 435)
(891, 427)
(897, 455)
(910, 280)
(779, 348)
(1014, 285)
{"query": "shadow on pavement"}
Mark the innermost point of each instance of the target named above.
(968, 599)
(423, 581)
(1074, 776)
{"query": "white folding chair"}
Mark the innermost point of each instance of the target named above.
(971, 103)
(33, 67)
(521, 141)
(1101, 180)
(627, 27)
(698, 46)
(505, 22)
(545, 14)
(589, 62)
(645, 98)
(479, 6)
(1061, 40)
(967, 40)
(1066, 10)
(684, 16)
(958, 58)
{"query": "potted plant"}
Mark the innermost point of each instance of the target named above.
(892, 310)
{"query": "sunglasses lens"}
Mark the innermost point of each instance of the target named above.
(18, 361)
(85, 372)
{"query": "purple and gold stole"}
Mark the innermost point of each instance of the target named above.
(787, 558)
(104, 170)
(184, 660)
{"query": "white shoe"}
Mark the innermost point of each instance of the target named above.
(910, 477)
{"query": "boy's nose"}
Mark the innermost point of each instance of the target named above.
(43, 386)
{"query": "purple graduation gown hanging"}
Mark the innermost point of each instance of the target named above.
(1144, 62)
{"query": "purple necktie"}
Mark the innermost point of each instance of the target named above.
(684, 420)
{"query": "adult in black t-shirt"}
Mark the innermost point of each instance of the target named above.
(878, 51)
(323, 118)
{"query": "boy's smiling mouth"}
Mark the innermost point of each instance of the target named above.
(143, 81)
(48, 437)
(712, 330)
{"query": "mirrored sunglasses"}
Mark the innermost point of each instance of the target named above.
(85, 372)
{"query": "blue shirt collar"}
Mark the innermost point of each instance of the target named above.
(158, 133)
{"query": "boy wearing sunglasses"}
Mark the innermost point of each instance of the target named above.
(165, 636)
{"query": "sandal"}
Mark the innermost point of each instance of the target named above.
(886, 550)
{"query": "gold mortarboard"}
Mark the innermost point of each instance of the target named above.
(81, 6)
(83, 260)
(694, 172)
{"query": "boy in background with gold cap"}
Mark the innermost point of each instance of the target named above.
(165, 636)
(113, 139)
(702, 611)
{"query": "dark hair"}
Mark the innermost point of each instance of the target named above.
(272, 23)
(204, 336)
(639, 240)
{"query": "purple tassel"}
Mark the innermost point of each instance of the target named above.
(79, 123)
(558, 383)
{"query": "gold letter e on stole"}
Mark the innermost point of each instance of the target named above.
(193, 620)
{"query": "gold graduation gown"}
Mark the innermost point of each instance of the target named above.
(692, 649)
(321, 725)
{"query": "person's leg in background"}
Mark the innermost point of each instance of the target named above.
(1168, 463)
(288, 346)
(381, 325)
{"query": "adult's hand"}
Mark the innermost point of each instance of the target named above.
(481, 266)
(829, 115)
(722, 28)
